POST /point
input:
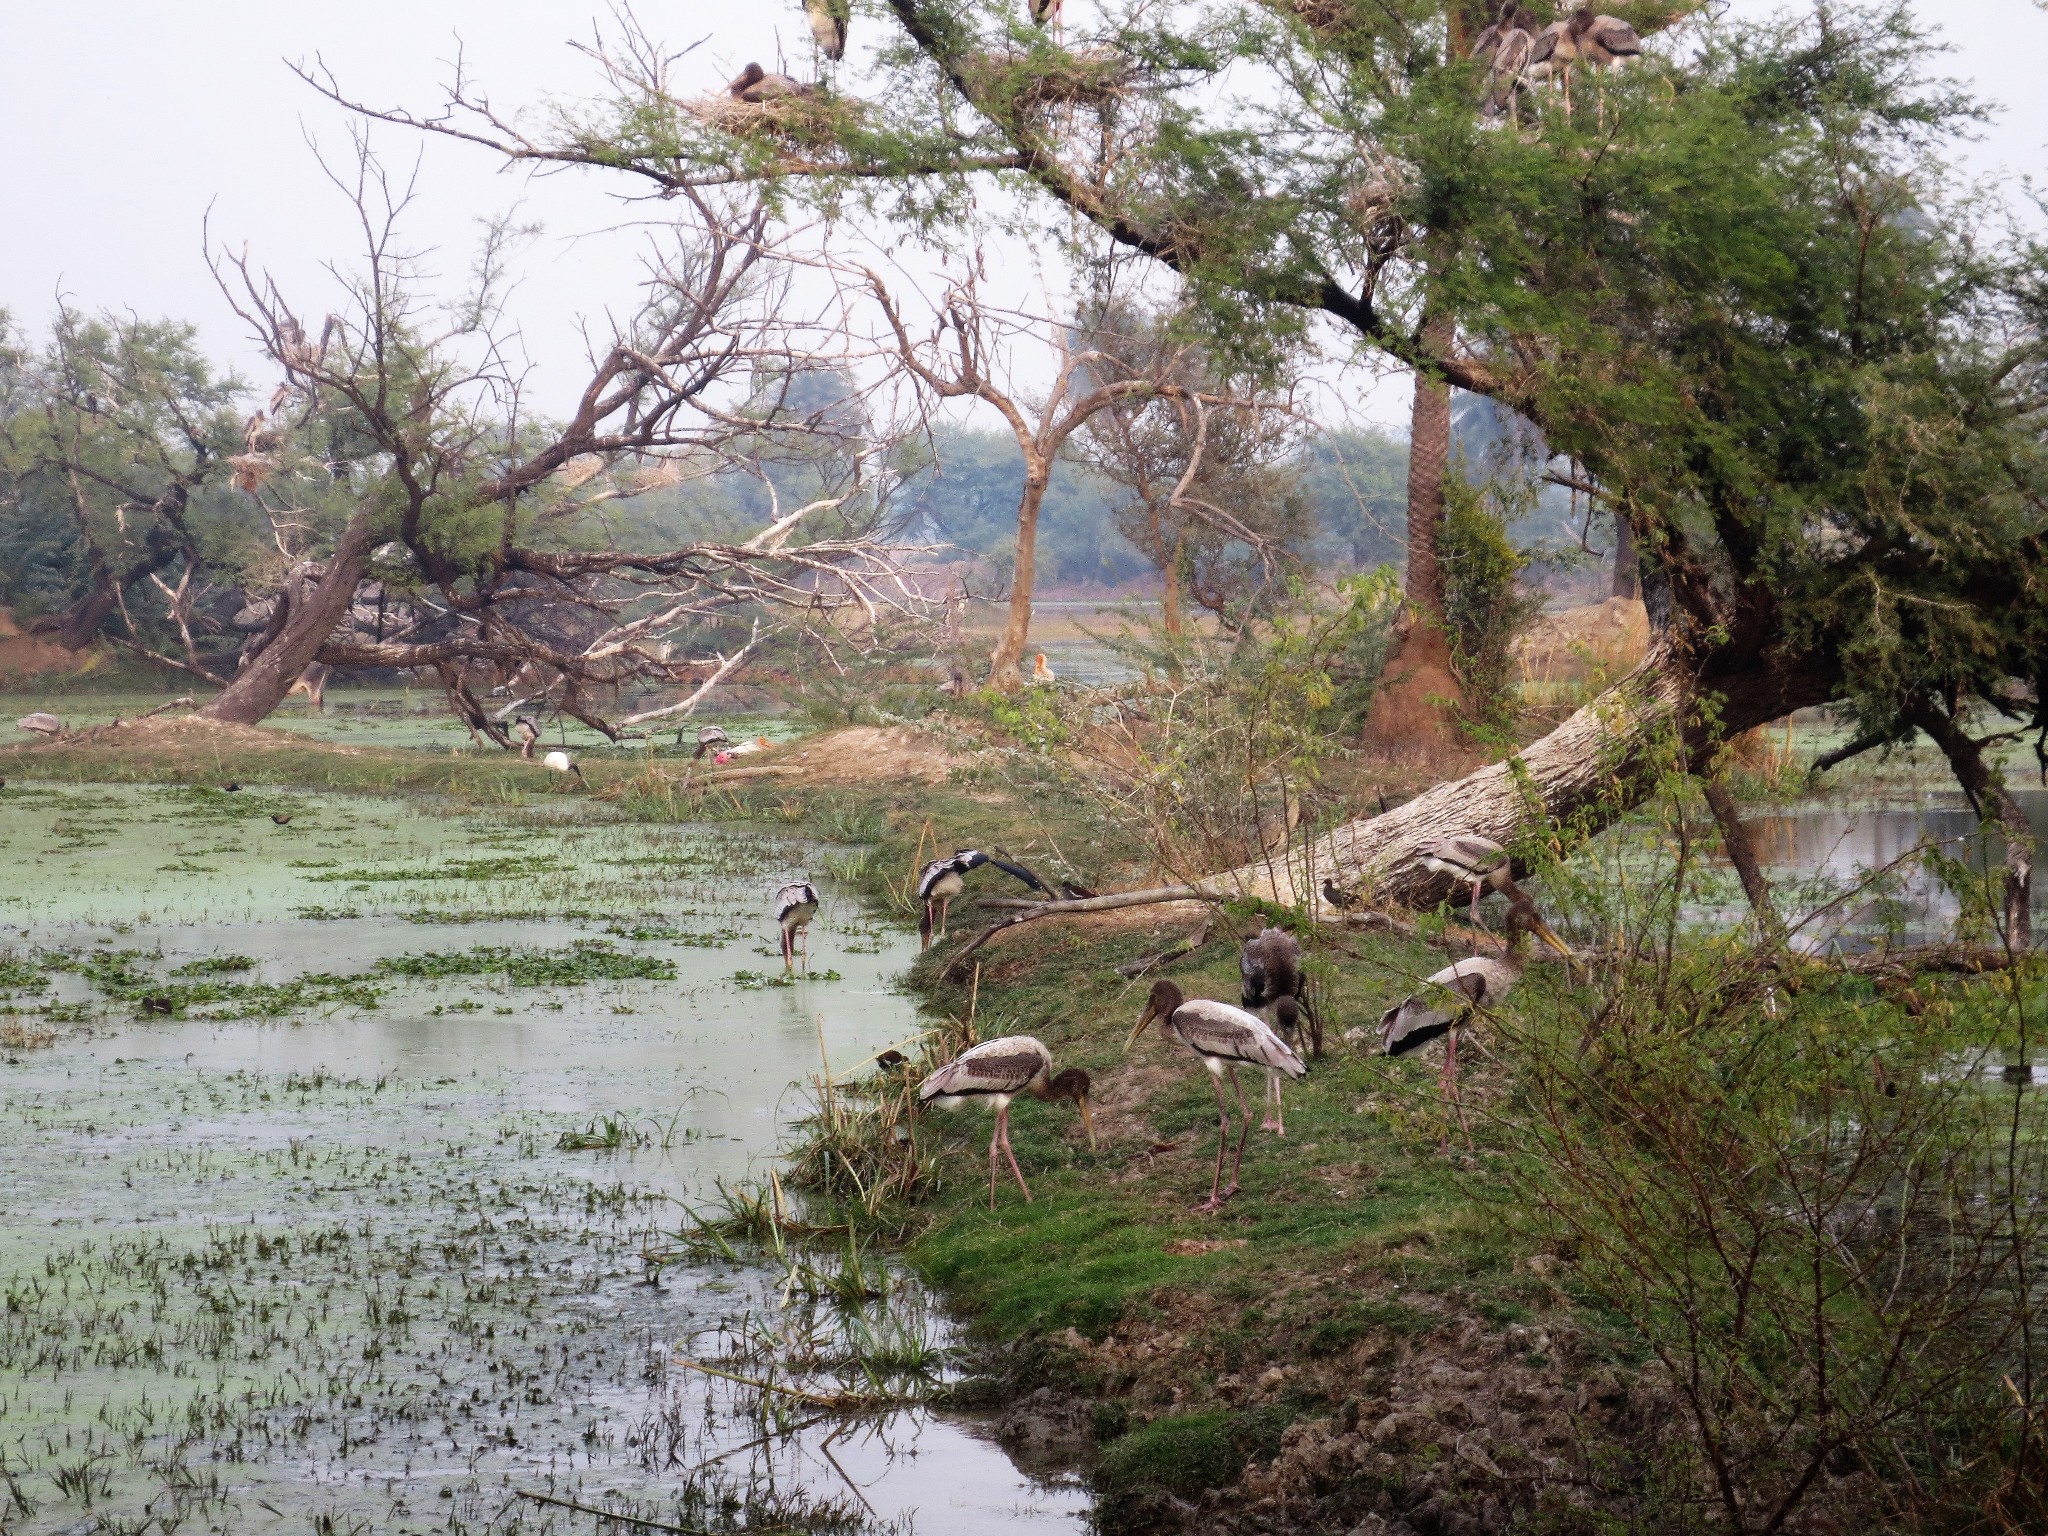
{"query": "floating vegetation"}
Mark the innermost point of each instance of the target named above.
(584, 961)
(215, 965)
(21, 976)
(118, 975)
(318, 914)
(606, 1133)
(750, 981)
(650, 933)
(509, 869)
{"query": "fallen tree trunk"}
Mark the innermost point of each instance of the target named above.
(1571, 783)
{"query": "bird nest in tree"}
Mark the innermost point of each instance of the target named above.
(810, 122)
(1032, 82)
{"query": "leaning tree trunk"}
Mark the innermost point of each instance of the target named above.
(1625, 563)
(1573, 782)
(1003, 669)
(312, 613)
(1995, 805)
(1413, 714)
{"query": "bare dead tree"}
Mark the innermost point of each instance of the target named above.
(484, 517)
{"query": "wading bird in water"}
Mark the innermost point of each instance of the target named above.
(943, 879)
(795, 906)
(1223, 1038)
(1270, 976)
(996, 1071)
(1452, 995)
(562, 762)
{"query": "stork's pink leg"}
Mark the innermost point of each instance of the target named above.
(1276, 1112)
(1244, 1134)
(1215, 1200)
(1003, 1121)
(994, 1137)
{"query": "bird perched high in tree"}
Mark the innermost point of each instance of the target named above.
(995, 1072)
(829, 19)
(755, 85)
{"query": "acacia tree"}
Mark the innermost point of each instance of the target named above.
(1741, 294)
(435, 481)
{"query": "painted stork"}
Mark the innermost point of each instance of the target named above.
(1045, 12)
(1042, 675)
(1453, 994)
(943, 879)
(562, 762)
(1269, 975)
(710, 738)
(828, 19)
(41, 723)
(756, 85)
(1478, 861)
(1604, 41)
(1507, 47)
(997, 1071)
(529, 733)
(1552, 55)
(1223, 1038)
(795, 906)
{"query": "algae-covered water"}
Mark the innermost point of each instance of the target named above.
(292, 1234)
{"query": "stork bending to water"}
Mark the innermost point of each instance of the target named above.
(795, 906)
(1223, 1038)
(997, 1071)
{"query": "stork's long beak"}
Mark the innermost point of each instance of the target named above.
(1087, 1119)
(1545, 933)
(1143, 1019)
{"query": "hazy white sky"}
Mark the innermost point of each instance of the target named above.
(123, 122)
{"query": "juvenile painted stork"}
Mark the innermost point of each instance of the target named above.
(1270, 976)
(562, 762)
(828, 19)
(795, 906)
(996, 1071)
(1042, 675)
(1604, 42)
(529, 733)
(1507, 46)
(1045, 12)
(943, 879)
(710, 738)
(1478, 861)
(1223, 1038)
(755, 84)
(41, 723)
(1452, 995)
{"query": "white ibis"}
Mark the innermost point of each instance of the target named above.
(943, 879)
(795, 906)
(1223, 1038)
(529, 733)
(996, 1071)
(1042, 675)
(562, 762)
(1452, 995)
(1269, 975)
(1478, 861)
(710, 738)
(755, 85)
(41, 723)
(828, 19)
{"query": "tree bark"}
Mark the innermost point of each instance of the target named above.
(1414, 711)
(1993, 803)
(1626, 574)
(1575, 781)
(266, 679)
(1170, 599)
(1003, 669)
(1742, 854)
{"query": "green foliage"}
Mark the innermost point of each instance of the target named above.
(586, 960)
(1484, 602)
(1183, 1457)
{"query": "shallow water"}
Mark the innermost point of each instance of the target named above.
(333, 1265)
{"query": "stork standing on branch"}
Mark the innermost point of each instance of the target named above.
(1451, 996)
(996, 1071)
(829, 20)
(1223, 1039)
(943, 879)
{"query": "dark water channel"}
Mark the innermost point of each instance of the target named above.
(334, 1270)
